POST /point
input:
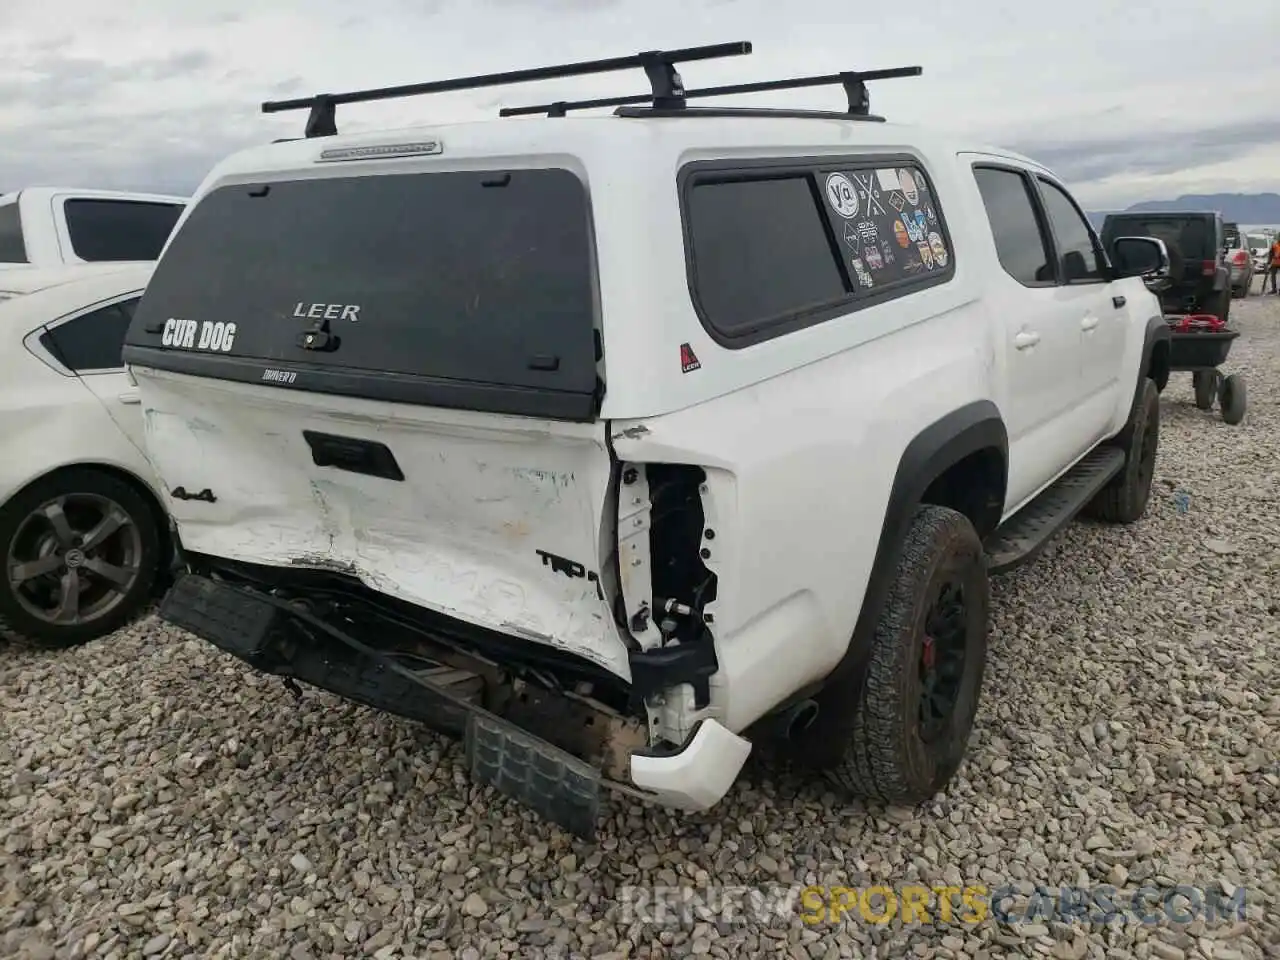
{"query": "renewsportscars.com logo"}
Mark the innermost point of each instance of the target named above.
(668, 906)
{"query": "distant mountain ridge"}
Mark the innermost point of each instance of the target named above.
(1248, 209)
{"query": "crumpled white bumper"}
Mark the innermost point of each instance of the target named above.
(700, 774)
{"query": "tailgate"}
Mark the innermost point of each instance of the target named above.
(497, 521)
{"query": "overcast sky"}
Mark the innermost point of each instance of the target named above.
(1126, 99)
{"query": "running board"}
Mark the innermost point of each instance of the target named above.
(1029, 531)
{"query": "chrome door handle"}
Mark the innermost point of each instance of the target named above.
(1088, 323)
(1026, 339)
(131, 396)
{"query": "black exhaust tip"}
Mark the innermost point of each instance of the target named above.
(798, 718)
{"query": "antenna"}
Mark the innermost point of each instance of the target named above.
(667, 91)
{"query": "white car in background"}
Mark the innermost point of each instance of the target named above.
(64, 226)
(83, 536)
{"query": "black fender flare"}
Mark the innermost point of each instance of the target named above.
(939, 446)
(1153, 366)
(1157, 333)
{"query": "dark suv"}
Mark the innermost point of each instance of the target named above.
(1196, 241)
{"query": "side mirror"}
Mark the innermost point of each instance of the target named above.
(1074, 265)
(1145, 257)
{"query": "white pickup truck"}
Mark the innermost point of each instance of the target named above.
(60, 226)
(615, 444)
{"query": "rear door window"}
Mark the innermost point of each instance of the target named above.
(466, 289)
(1021, 243)
(119, 230)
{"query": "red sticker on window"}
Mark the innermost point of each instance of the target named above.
(688, 359)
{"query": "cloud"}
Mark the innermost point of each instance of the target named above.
(1156, 152)
(169, 159)
(55, 81)
(150, 94)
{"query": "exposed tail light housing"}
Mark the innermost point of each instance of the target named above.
(1240, 257)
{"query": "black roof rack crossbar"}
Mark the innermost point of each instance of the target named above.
(854, 83)
(658, 65)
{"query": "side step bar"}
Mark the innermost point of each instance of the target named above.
(258, 629)
(1020, 538)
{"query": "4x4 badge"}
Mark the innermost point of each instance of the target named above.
(688, 359)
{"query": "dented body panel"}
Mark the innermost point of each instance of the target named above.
(495, 522)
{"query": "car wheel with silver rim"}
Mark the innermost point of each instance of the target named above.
(81, 551)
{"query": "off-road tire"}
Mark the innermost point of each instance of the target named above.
(17, 625)
(1125, 498)
(884, 756)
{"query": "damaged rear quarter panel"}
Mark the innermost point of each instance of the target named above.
(798, 480)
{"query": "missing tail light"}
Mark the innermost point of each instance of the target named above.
(682, 584)
(662, 547)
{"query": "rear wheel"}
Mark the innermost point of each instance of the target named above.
(904, 734)
(81, 552)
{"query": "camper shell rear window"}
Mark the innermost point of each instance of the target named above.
(464, 289)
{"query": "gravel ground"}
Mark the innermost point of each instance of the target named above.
(159, 800)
